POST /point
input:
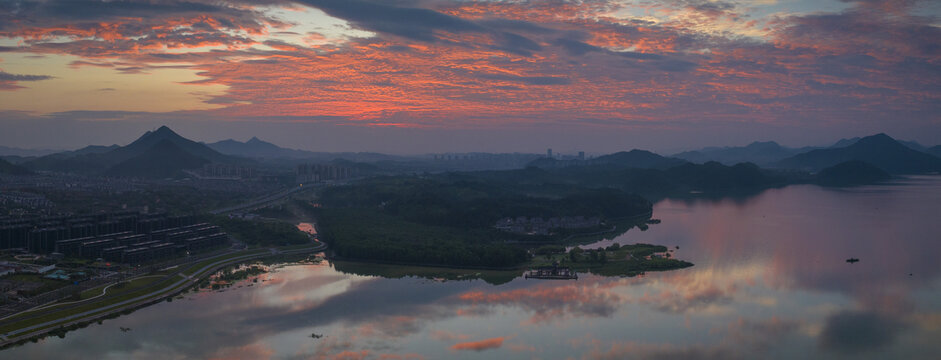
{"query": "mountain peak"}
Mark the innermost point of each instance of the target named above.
(879, 150)
(763, 145)
(164, 130)
(254, 140)
(877, 139)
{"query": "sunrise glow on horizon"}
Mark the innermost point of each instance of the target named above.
(771, 66)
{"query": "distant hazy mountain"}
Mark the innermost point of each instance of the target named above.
(637, 159)
(7, 168)
(765, 153)
(164, 150)
(640, 159)
(914, 145)
(844, 142)
(853, 172)
(934, 150)
(151, 138)
(165, 159)
(11, 151)
(255, 148)
(757, 152)
(879, 150)
(92, 149)
(910, 144)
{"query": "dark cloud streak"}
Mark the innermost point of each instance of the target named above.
(5, 76)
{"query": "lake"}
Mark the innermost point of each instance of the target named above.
(770, 281)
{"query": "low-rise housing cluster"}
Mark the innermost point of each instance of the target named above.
(542, 226)
(26, 199)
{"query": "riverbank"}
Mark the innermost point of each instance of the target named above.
(57, 319)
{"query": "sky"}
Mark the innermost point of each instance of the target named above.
(420, 76)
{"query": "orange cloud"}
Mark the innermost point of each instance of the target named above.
(479, 345)
(526, 63)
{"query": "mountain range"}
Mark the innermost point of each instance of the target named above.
(879, 150)
(159, 153)
(771, 154)
(910, 144)
(759, 152)
(163, 153)
(259, 149)
(638, 159)
(11, 151)
(256, 148)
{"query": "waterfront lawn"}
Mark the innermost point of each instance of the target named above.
(140, 290)
(118, 288)
(35, 283)
(616, 260)
(192, 269)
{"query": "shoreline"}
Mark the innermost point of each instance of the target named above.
(68, 322)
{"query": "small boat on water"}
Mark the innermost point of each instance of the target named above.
(554, 272)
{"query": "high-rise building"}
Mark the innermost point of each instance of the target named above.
(549, 153)
(581, 155)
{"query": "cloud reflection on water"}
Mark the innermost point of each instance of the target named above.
(770, 281)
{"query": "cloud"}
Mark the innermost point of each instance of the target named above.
(447, 335)
(550, 302)
(631, 350)
(409, 22)
(761, 335)
(480, 345)
(97, 29)
(8, 81)
(576, 47)
(745, 339)
(444, 64)
(858, 332)
(5, 76)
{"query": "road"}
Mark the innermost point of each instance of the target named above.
(15, 335)
(262, 201)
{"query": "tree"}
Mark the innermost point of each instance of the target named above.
(574, 253)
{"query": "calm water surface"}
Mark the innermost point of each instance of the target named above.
(770, 281)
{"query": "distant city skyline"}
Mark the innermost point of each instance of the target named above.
(410, 77)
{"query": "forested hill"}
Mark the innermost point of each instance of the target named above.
(437, 220)
(711, 179)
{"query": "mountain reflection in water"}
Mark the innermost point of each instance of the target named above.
(770, 281)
